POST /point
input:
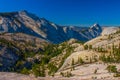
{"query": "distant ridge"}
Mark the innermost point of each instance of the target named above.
(28, 23)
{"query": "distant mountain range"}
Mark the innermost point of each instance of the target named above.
(27, 23)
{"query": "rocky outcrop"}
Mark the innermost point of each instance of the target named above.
(13, 46)
(8, 57)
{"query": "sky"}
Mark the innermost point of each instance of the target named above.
(69, 12)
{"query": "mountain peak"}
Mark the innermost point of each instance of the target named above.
(97, 28)
(23, 12)
(96, 25)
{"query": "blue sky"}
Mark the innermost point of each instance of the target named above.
(69, 12)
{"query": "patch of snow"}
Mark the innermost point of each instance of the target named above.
(54, 25)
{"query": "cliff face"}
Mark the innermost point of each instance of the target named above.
(8, 56)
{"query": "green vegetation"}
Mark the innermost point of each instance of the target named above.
(80, 60)
(52, 50)
(87, 47)
(38, 63)
(52, 69)
(39, 66)
(116, 75)
(90, 47)
(118, 31)
(69, 50)
(95, 71)
(113, 57)
(110, 37)
(7, 43)
(25, 71)
(38, 70)
(72, 64)
(112, 68)
(80, 42)
(66, 74)
(1, 64)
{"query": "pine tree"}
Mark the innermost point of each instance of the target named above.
(72, 64)
(80, 60)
